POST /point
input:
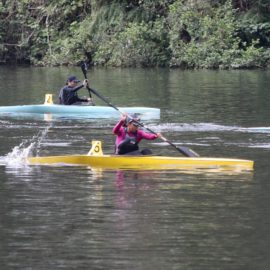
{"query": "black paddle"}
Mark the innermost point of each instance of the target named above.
(183, 150)
(84, 69)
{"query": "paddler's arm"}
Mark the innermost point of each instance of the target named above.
(83, 99)
(118, 126)
(77, 88)
(149, 136)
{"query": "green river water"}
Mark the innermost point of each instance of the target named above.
(77, 218)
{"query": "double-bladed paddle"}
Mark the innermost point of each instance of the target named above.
(183, 150)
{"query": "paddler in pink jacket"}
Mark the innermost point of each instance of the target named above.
(129, 135)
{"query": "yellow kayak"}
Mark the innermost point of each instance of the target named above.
(96, 159)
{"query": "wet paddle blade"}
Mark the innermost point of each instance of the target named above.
(187, 152)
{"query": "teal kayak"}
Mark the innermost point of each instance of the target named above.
(88, 111)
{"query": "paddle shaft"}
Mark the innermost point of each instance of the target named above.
(183, 150)
(84, 69)
(104, 99)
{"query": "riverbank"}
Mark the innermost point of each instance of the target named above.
(177, 34)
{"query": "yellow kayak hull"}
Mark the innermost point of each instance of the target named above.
(96, 159)
(145, 162)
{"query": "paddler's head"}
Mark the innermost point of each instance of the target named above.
(133, 123)
(72, 81)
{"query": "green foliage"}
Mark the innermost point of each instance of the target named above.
(214, 44)
(140, 44)
(250, 57)
(136, 33)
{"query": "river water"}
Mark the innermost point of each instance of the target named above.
(78, 218)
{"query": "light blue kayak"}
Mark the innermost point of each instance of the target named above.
(85, 111)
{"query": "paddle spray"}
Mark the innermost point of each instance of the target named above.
(182, 149)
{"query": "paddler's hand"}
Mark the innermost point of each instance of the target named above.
(159, 135)
(90, 101)
(85, 83)
(124, 117)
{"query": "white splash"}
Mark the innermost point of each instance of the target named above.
(17, 158)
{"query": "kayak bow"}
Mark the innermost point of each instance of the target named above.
(96, 159)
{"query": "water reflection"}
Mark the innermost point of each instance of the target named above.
(72, 217)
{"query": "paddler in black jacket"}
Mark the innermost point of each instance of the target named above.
(68, 94)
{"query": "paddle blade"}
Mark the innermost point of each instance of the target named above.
(183, 150)
(84, 68)
(187, 152)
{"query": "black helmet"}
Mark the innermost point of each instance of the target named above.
(134, 119)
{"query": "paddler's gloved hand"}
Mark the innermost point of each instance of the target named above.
(124, 117)
(85, 83)
(90, 101)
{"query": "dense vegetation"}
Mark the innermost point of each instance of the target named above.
(174, 33)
